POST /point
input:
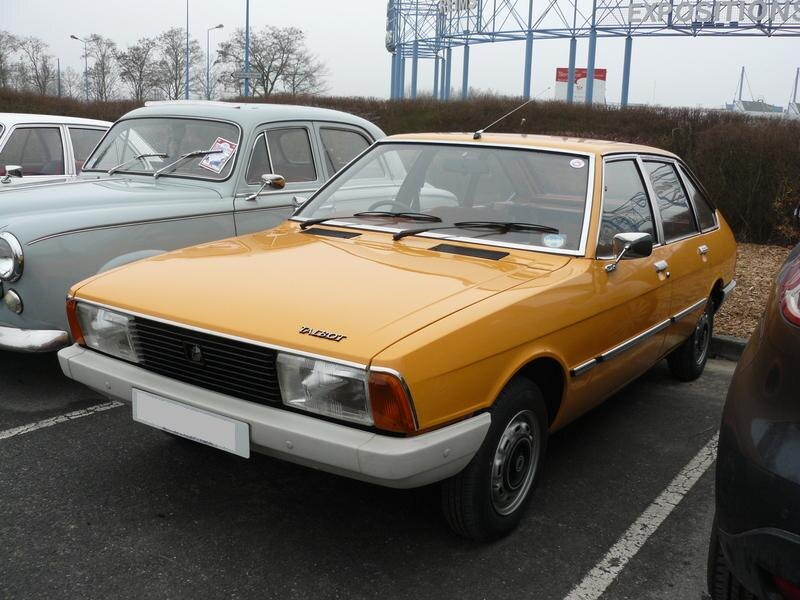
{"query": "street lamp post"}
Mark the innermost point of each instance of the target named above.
(208, 59)
(85, 63)
(186, 83)
(247, 49)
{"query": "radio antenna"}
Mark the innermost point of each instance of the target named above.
(477, 135)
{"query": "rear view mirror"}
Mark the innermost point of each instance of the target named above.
(11, 171)
(629, 246)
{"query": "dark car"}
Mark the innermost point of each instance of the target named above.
(755, 543)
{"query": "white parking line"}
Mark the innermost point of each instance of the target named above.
(606, 571)
(78, 414)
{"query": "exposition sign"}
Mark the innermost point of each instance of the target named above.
(711, 11)
(449, 7)
(579, 85)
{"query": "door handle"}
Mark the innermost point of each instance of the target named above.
(661, 267)
(702, 250)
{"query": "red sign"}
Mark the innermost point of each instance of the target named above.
(562, 74)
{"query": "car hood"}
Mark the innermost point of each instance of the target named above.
(53, 207)
(279, 286)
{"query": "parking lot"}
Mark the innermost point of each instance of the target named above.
(97, 506)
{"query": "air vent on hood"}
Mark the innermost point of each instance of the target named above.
(335, 233)
(467, 251)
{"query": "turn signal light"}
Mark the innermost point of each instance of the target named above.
(72, 319)
(790, 293)
(391, 403)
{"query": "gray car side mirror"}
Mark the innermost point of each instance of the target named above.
(269, 180)
(11, 171)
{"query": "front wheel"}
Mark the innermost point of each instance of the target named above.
(487, 499)
(688, 361)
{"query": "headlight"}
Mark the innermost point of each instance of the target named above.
(378, 398)
(11, 260)
(105, 331)
(324, 388)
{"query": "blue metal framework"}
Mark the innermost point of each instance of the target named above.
(430, 29)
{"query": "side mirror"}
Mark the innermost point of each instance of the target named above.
(269, 180)
(12, 171)
(629, 246)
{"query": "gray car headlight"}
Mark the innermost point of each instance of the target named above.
(324, 388)
(11, 258)
(106, 331)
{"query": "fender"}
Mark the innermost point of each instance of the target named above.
(129, 258)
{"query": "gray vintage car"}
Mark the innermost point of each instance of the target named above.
(168, 175)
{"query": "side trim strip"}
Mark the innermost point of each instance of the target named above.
(635, 340)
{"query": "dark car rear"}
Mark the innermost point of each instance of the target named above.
(755, 545)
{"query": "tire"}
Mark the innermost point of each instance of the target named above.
(687, 361)
(487, 499)
(722, 584)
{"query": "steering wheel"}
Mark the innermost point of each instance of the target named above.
(392, 204)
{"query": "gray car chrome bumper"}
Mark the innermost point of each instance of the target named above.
(400, 462)
(32, 340)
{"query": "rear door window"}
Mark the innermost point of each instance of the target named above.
(626, 207)
(291, 154)
(341, 146)
(83, 142)
(703, 209)
(676, 214)
(38, 150)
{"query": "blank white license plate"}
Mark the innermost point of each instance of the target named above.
(193, 423)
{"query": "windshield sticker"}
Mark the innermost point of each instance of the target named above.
(577, 163)
(553, 240)
(223, 151)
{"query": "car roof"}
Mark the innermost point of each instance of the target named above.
(10, 119)
(247, 114)
(567, 144)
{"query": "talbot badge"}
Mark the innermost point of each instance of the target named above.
(325, 335)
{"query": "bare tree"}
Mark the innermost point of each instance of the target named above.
(172, 63)
(138, 68)
(304, 74)
(72, 83)
(41, 69)
(103, 74)
(279, 59)
(8, 47)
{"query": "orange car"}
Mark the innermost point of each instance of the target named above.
(430, 315)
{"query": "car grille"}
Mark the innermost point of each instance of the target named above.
(231, 367)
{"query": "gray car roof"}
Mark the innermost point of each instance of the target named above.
(249, 115)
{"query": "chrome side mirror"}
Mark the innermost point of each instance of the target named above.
(269, 180)
(11, 171)
(629, 246)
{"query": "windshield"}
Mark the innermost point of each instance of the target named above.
(148, 145)
(503, 196)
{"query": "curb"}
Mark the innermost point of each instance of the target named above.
(727, 347)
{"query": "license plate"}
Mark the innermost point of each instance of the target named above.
(192, 423)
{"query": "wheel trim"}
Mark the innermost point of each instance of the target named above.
(515, 462)
(702, 338)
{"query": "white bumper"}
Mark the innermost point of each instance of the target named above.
(400, 462)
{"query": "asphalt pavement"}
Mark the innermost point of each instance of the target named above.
(102, 507)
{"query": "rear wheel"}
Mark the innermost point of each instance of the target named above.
(722, 584)
(487, 499)
(687, 362)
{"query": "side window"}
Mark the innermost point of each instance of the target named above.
(37, 149)
(705, 214)
(676, 215)
(259, 162)
(341, 146)
(626, 208)
(83, 142)
(290, 150)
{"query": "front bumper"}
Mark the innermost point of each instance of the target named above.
(385, 460)
(32, 340)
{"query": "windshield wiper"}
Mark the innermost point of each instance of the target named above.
(121, 166)
(182, 158)
(498, 226)
(411, 216)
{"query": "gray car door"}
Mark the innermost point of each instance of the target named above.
(287, 149)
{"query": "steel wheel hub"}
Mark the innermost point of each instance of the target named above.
(702, 337)
(516, 459)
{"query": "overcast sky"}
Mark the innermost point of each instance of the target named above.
(349, 36)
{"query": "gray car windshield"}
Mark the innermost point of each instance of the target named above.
(150, 144)
(503, 196)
